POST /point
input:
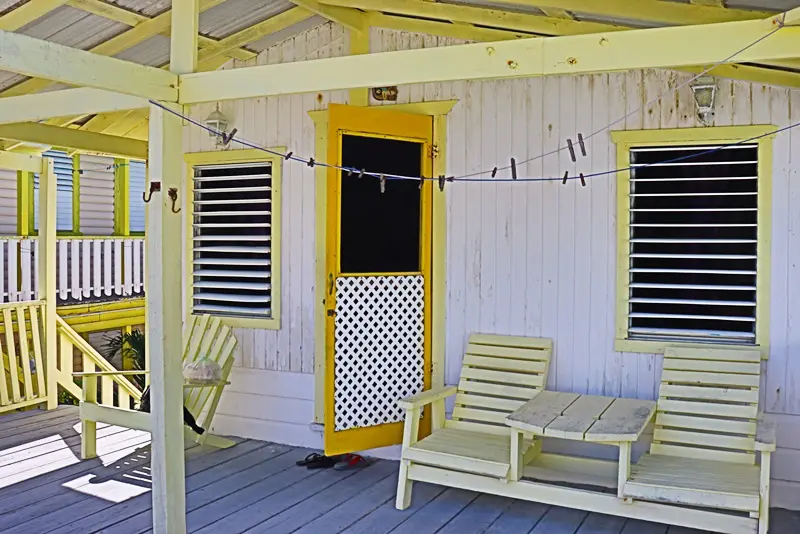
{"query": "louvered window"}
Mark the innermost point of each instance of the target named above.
(693, 244)
(62, 165)
(232, 229)
(137, 180)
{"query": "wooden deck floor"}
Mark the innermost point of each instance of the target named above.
(253, 487)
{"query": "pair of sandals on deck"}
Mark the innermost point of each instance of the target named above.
(345, 462)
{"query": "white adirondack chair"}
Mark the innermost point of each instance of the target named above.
(706, 438)
(204, 336)
(498, 375)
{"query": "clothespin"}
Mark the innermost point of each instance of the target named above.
(227, 138)
(566, 176)
(582, 144)
(310, 162)
(494, 172)
(583, 181)
(513, 169)
(383, 183)
(361, 173)
(350, 172)
(288, 155)
(441, 182)
(421, 181)
(571, 150)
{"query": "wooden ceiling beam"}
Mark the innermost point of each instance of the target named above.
(351, 19)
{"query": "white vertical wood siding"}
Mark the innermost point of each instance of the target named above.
(8, 202)
(534, 258)
(97, 195)
(136, 184)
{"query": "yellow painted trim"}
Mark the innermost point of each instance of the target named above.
(122, 200)
(625, 140)
(67, 137)
(24, 203)
(100, 307)
(436, 109)
(240, 156)
(21, 162)
(76, 194)
(359, 44)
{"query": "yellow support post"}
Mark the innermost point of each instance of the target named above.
(24, 203)
(359, 44)
(76, 194)
(122, 208)
(47, 273)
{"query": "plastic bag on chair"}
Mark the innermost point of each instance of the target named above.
(202, 371)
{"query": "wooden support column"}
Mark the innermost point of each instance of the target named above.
(47, 274)
(164, 326)
(164, 284)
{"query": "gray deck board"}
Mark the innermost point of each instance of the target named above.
(252, 487)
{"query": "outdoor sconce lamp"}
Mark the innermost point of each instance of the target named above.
(704, 89)
(218, 124)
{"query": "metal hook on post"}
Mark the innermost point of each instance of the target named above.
(154, 187)
(173, 195)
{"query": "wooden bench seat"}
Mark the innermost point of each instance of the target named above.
(695, 482)
(498, 375)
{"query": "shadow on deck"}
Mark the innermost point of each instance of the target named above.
(252, 487)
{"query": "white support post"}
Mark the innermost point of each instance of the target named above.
(164, 325)
(47, 274)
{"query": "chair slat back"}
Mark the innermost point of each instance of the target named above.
(498, 375)
(708, 404)
(206, 336)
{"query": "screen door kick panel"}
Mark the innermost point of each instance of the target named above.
(379, 348)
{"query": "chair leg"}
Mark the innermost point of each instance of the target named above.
(88, 439)
(763, 511)
(404, 486)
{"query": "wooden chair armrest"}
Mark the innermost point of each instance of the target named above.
(426, 397)
(110, 373)
(765, 435)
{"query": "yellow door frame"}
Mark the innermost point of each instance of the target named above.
(439, 111)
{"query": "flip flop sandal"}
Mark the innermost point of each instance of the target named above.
(351, 461)
(313, 457)
(322, 462)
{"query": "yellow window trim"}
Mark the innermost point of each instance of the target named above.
(25, 209)
(625, 140)
(240, 156)
(439, 110)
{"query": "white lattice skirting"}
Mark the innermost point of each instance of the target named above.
(379, 353)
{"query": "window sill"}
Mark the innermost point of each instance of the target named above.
(255, 324)
(657, 347)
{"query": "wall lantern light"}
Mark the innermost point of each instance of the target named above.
(217, 122)
(704, 89)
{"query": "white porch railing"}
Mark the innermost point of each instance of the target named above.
(88, 269)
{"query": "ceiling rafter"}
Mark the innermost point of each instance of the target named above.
(712, 3)
(27, 13)
(133, 19)
(209, 58)
(652, 11)
(349, 18)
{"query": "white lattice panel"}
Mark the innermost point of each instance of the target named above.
(379, 352)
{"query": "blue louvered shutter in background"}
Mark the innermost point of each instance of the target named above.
(62, 162)
(136, 185)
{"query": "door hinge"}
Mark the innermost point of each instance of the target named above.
(331, 313)
(433, 151)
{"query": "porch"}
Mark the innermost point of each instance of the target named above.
(251, 487)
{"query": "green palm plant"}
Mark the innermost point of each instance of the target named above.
(130, 346)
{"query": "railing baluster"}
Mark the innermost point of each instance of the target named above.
(117, 267)
(75, 270)
(13, 251)
(127, 248)
(123, 398)
(107, 390)
(25, 264)
(37, 350)
(97, 266)
(11, 351)
(63, 270)
(24, 355)
(66, 354)
(86, 245)
(137, 265)
(107, 280)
